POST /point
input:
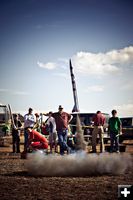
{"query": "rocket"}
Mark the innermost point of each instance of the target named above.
(76, 105)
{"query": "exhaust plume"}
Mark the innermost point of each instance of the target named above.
(79, 164)
(80, 142)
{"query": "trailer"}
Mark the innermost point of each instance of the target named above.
(5, 126)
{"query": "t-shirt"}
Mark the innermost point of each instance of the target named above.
(98, 119)
(36, 136)
(29, 120)
(114, 124)
(62, 120)
(51, 123)
(18, 124)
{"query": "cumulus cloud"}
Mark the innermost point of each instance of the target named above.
(125, 109)
(49, 65)
(95, 88)
(103, 63)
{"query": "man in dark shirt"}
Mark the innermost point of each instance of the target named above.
(16, 134)
(62, 120)
(99, 121)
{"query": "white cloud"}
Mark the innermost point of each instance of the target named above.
(49, 65)
(103, 63)
(14, 92)
(125, 110)
(20, 93)
(95, 88)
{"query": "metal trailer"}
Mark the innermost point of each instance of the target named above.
(5, 126)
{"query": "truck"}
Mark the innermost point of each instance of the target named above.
(5, 126)
(127, 129)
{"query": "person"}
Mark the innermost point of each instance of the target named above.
(50, 123)
(36, 140)
(29, 121)
(62, 120)
(38, 122)
(99, 121)
(16, 134)
(115, 127)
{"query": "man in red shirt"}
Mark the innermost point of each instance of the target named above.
(62, 120)
(37, 140)
(99, 121)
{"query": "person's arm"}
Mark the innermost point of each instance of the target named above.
(69, 117)
(109, 125)
(31, 118)
(19, 124)
(120, 125)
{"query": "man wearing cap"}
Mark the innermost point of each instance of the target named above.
(29, 121)
(62, 120)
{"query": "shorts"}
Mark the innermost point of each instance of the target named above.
(52, 137)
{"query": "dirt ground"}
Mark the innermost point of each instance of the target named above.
(15, 183)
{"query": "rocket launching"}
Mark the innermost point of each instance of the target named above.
(76, 105)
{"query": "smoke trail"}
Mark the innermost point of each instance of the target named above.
(80, 142)
(79, 164)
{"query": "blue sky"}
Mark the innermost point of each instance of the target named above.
(37, 39)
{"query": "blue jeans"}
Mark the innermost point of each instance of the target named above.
(25, 139)
(62, 137)
(115, 140)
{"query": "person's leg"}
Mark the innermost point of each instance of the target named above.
(116, 143)
(101, 132)
(18, 144)
(112, 141)
(25, 140)
(65, 146)
(13, 143)
(60, 139)
(55, 141)
(94, 138)
(51, 141)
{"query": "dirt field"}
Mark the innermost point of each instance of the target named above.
(15, 183)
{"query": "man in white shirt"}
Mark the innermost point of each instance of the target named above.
(50, 123)
(29, 121)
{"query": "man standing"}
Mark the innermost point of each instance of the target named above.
(115, 128)
(29, 121)
(62, 120)
(50, 123)
(16, 134)
(99, 121)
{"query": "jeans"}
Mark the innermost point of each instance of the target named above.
(16, 143)
(62, 137)
(115, 140)
(25, 139)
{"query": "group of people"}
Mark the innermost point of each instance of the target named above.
(114, 128)
(57, 125)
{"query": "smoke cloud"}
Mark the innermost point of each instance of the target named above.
(78, 164)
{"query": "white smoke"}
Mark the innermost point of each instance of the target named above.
(79, 164)
(80, 142)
